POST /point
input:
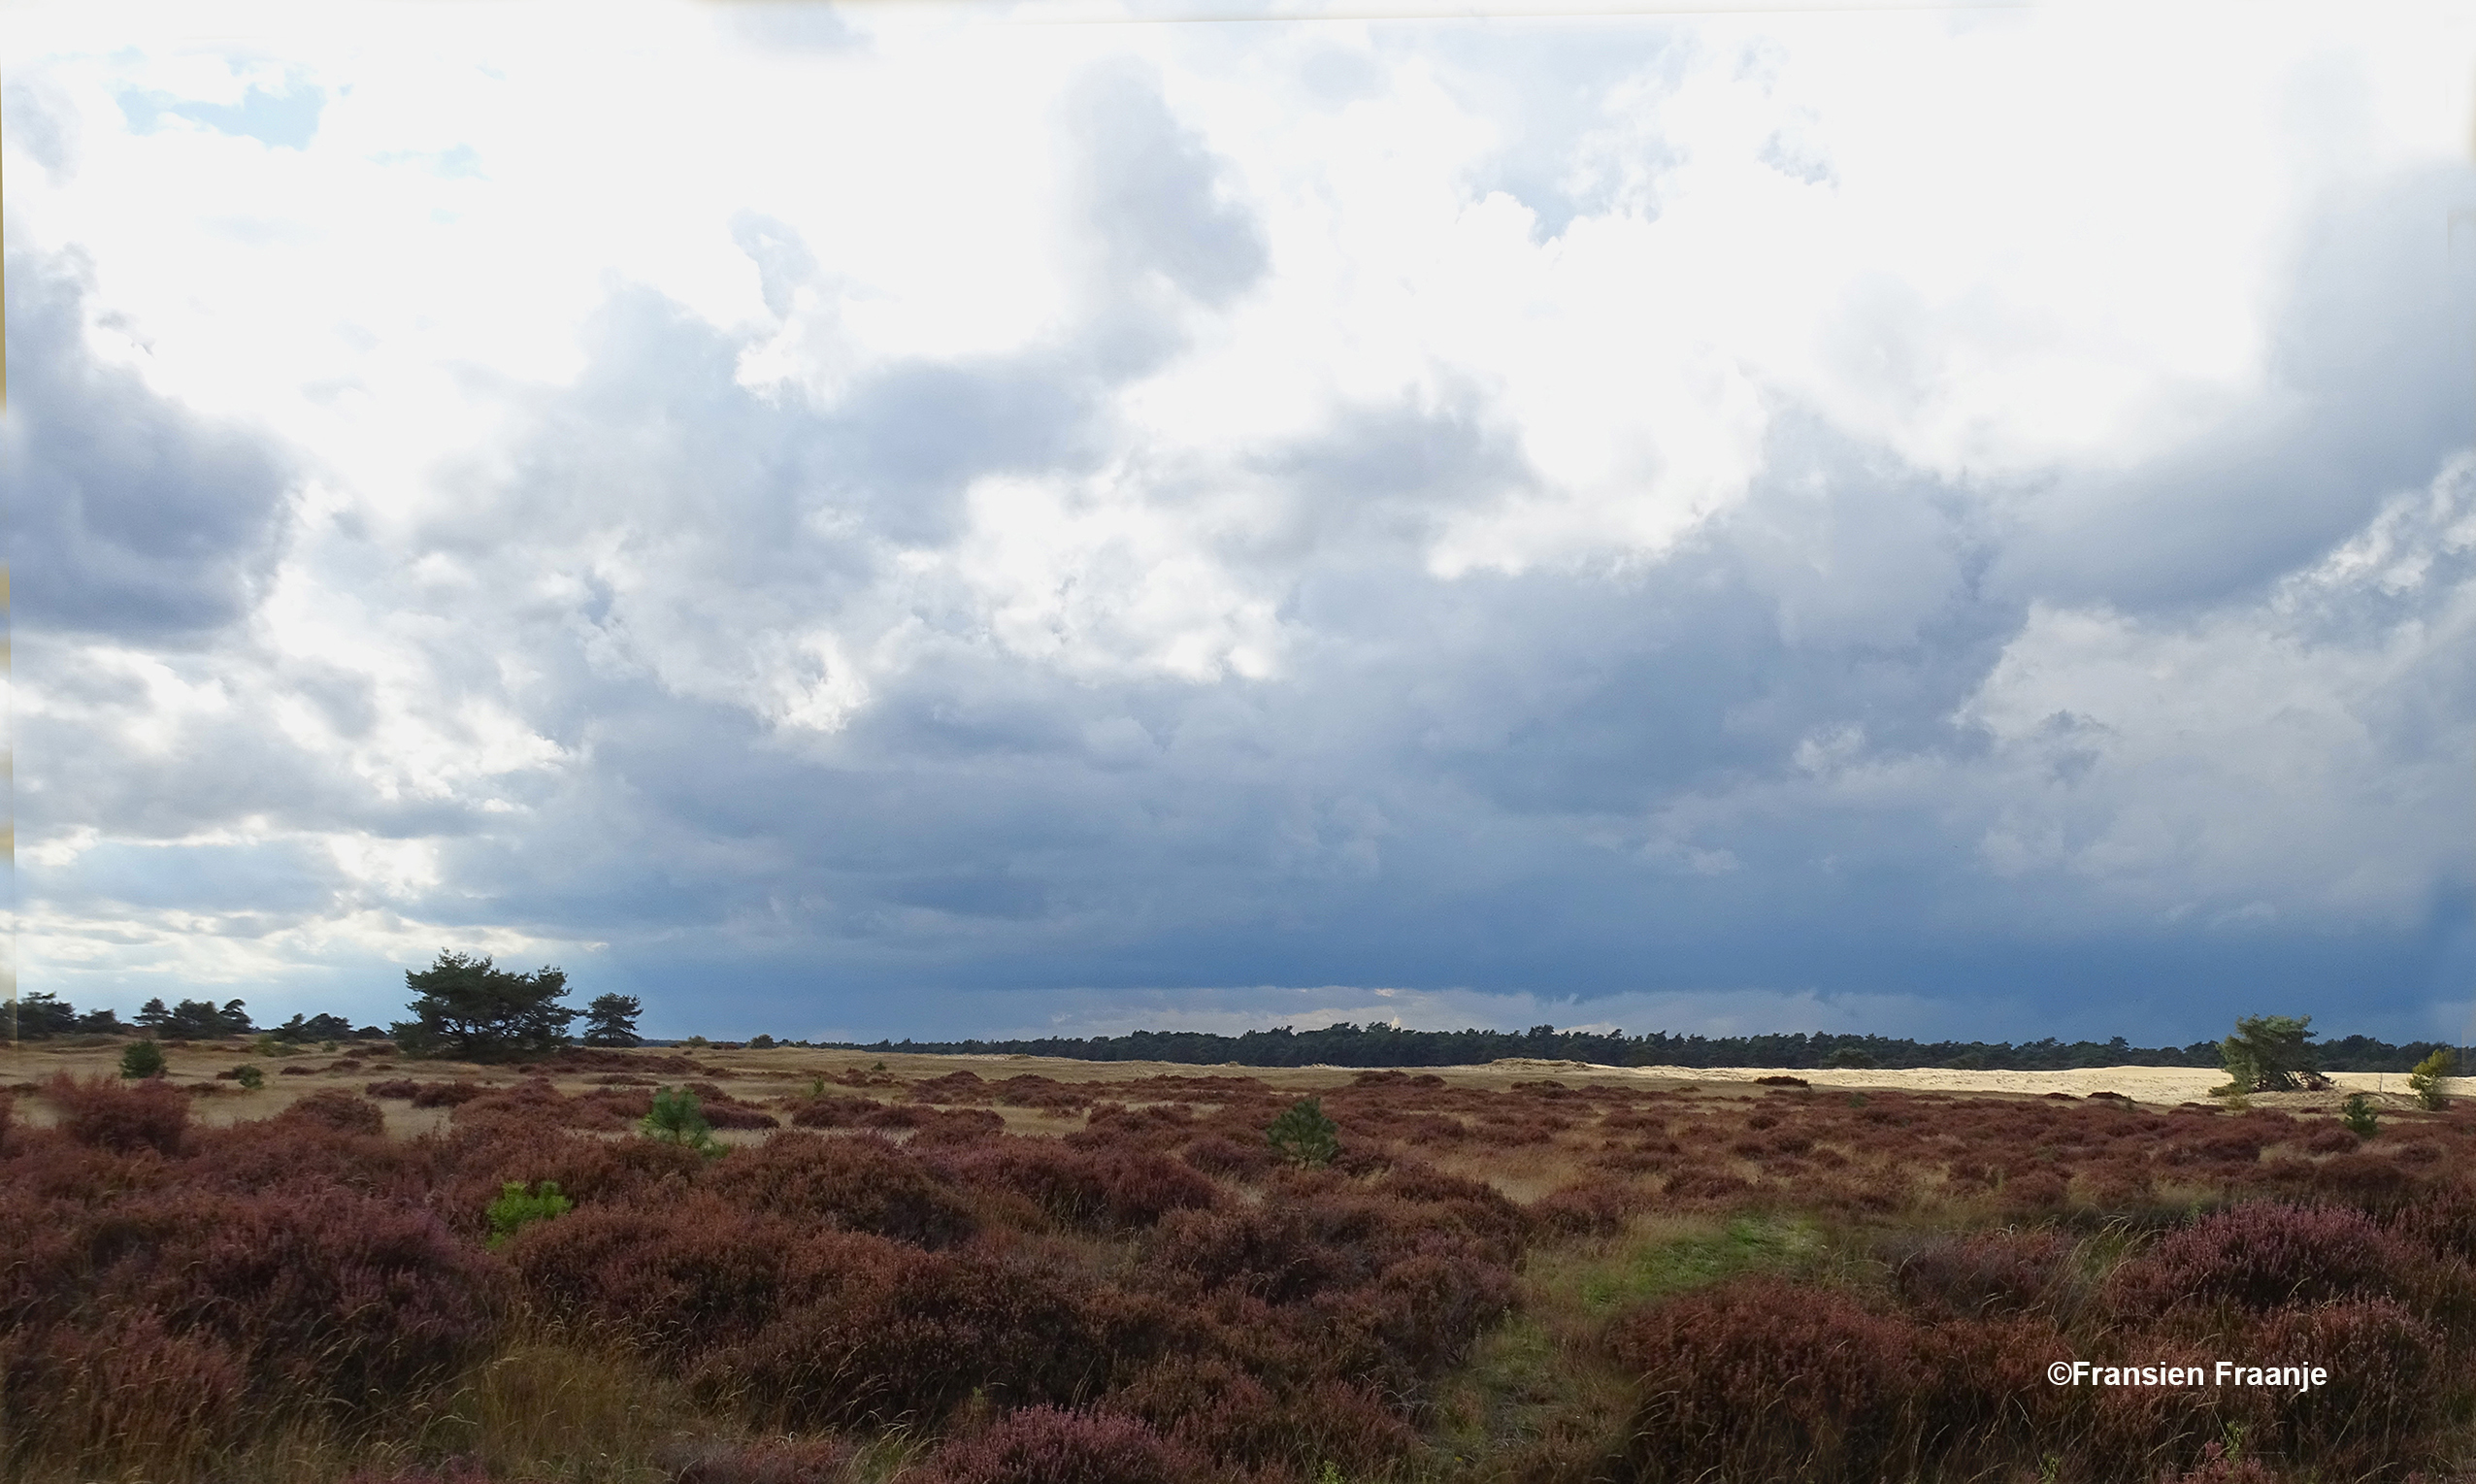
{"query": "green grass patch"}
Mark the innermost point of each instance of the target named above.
(1674, 1256)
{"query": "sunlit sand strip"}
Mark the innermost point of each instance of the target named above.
(2141, 1084)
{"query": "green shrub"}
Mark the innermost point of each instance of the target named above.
(1304, 1136)
(2359, 1115)
(677, 1118)
(2425, 1081)
(2267, 1054)
(249, 1077)
(518, 1208)
(142, 1059)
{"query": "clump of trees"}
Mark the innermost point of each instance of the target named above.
(42, 1015)
(472, 1010)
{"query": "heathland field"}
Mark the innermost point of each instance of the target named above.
(1001, 1271)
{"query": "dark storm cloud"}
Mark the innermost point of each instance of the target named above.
(128, 514)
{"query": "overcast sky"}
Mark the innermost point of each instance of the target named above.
(914, 520)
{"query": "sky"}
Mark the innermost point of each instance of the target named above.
(946, 519)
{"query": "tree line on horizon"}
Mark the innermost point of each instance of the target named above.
(470, 1009)
(1344, 1045)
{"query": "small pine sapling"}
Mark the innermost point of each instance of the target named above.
(2359, 1115)
(677, 1118)
(2425, 1081)
(518, 1208)
(140, 1060)
(1304, 1136)
(249, 1077)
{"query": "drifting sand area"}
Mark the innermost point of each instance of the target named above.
(2141, 1084)
(759, 1075)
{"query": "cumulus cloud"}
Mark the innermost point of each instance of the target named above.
(129, 514)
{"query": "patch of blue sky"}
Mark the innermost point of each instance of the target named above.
(285, 120)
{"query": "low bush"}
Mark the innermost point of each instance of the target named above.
(2263, 1255)
(332, 1107)
(858, 1184)
(1052, 1445)
(771, 1461)
(1115, 1190)
(1986, 1273)
(1761, 1378)
(140, 1059)
(107, 1114)
(912, 1337)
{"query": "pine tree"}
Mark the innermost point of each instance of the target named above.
(610, 1020)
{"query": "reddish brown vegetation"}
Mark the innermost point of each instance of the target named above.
(1153, 1295)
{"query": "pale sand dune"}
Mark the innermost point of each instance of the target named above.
(2141, 1084)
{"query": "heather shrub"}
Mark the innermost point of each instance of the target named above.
(1215, 1154)
(823, 1110)
(1985, 1273)
(859, 1184)
(2366, 1181)
(445, 1093)
(335, 1109)
(1211, 1406)
(2387, 1382)
(1052, 1445)
(1108, 1191)
(240, 1309)
(1589, 1208)
(923, 1332)
(958, 1128)
(457, 1470)
(404, 1088)
(2261, 1256)
(2331, 1139)
(1760, 1377)
(732, 1115)
(673, 1281)
(771, 1461)
(309, 1157)
(106, 1115)
(2217, 1466)
(121, 1383)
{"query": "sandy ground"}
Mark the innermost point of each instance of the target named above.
(759, 1075)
